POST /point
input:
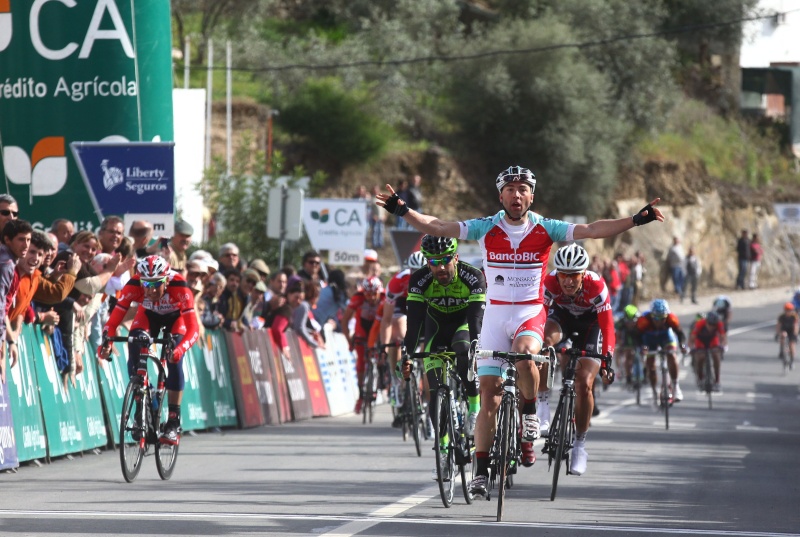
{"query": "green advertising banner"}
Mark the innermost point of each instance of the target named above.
(93, 70)
(24, 399)
(208, 399)
(113, 377)
(73, 415)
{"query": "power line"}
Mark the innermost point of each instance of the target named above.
(494, 53)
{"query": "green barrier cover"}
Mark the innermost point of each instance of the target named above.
(113, 377)
(73, 416)
(208, 399)
(24, 398)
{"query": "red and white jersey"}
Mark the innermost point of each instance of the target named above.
(515, 257)
(397, 288)
(592, 297)
(364, 310)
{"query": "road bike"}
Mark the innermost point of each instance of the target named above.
(506, 451)
(637, 376)
(453, 448)
(785, 354)
(144, 409)
(412, 411)
(561, 437)
(369, 386)
(707, 383)
(664, 394)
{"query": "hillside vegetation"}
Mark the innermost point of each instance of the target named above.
(575, 89)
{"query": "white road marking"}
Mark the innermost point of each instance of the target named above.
(750, 328)
(587, 528)
(756, 428)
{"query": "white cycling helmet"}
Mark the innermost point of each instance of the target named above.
(152, 267)
(416, 261)
(372, 285)
(571, 258)
(514, 174)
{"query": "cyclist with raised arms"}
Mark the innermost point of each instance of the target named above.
(578, 302)
(708, 333)
(364, 306)
(446, 300)
(393, 318)
(660, 328)
(515, 244)
(165, 300)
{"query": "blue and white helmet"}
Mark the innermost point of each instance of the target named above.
(659, 308)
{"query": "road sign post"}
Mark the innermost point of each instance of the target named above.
(284, 215)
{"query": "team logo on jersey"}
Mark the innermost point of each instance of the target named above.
(5, 24)
(499, 280)
(45, 170)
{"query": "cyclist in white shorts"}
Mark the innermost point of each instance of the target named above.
(515, 244)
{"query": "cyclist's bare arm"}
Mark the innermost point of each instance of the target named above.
(601, 229)
(386, 323)
(423, 222)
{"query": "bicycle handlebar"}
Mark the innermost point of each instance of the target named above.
(107, 340)
(605, 364)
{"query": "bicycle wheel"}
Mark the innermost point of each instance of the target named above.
(505, 428)
(414, 401)
(558, 439)
(665, 398)
(369, 379)
(708, 383)
(637, 379)
(132, 433)
(467, 469)
(445, 466)
(166, 454)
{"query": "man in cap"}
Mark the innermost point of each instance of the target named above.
(261, 267)
(181, 240)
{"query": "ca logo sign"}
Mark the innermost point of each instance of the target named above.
(322, 216)
(5, 24)
(45, 170)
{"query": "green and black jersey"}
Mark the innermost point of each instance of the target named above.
(461, 302)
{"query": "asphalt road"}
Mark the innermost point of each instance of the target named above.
(728, 471)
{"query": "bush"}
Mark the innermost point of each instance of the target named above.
(337, 123)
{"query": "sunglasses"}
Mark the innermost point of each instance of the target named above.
(313, 262)
(569, 274)
(440, 261)
(155, 284)
(659, 317)
(250, 281)
(230, 254)
(8, 212)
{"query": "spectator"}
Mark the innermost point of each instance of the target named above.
(8, 210)
(676, 261)
(275, 297)
(303, 322)
(181, 240)
(252, 317)
(16, 235)
(312, 263)
(261, 267)
(613, 282)
(207, 259)
(638, 272)
(693, 270)
(282, 319)
(141, 232)
(232, 301)
(229, 258)
(211, 317)
(404, 194)
(332, 300)
(110, 235)
(377, 220)
(743, 258)
(361, 193)
(63, 230)
(371, 266)
(756, 253)
(250, 279)
(416, 194)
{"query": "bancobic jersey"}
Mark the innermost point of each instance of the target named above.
(592, 297)
(514, 266)
(466, 287)
(397, 288)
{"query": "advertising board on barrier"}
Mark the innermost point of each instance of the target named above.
(335, 224)
(281, 389)
(23, 398)
(261, 363)
(8, 444)
(247, 402)
(296, 380)
(337, 367)
(113, 377)
(316, 390)
(214, 383)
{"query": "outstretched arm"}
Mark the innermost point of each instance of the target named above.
(601, 229)
(421, 222)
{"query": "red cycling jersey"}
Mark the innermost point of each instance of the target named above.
(365, 312)
(707, 335)
(397, 291)
(177, 301)
(592, 300)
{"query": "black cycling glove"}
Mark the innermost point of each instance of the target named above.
(393, 206)
(645, 216)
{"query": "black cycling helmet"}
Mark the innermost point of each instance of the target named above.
(438, 246)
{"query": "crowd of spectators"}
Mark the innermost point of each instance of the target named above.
(67, 282)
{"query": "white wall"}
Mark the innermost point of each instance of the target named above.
(765, 42)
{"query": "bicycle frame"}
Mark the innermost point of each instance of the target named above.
(664, 394)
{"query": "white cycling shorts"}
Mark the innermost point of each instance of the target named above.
(502, 324)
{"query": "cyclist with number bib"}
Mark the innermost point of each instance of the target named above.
(446, 300)
(165, 300)
(393, 318)
(515, 244)
(578, 301)
(364, 306)
(708, 333)
(660, 328)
